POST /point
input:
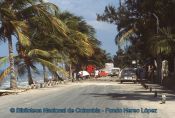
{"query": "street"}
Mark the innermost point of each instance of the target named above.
(112, 99)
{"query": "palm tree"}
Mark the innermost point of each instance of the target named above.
(163, 42)
(85, 48)
(16, 17)
(33, 56)
(10, 25)
(79, 44)
(160, 45)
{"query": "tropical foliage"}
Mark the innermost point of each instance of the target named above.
(149, 27)
(46, 36)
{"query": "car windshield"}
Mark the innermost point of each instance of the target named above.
(128, 71)
(115, 70)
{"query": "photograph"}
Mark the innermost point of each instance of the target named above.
(87, 58)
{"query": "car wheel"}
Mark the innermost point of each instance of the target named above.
(121, 82)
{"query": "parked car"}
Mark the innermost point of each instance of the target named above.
(128, 75)
(115, 72)
(102, 73)
(83, 74)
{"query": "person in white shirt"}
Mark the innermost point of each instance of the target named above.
(96, 73)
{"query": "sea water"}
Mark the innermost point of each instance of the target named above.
(21, 81)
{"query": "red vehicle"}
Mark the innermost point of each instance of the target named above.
(90, 69)
(102, 73)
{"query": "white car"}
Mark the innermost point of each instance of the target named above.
(128, 75)
(115, 72)
(83, 74)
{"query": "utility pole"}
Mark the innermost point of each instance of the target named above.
(157, 22)
(159, 60)
(120, 3)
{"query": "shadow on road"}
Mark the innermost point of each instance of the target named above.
(129, 83)
(138, 95)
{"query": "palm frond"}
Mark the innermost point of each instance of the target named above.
(2, 37)
(41, 10)
(160, 47)
(51, 8)
(7, 12)
(5, 73)
(162, 43)
(21, 29)
(21, 69)
(82, 42)
(51, 66)
(39, 52)
(59, 26)
(3, 61)
(123, 36)
(56, 55)
(35, 69)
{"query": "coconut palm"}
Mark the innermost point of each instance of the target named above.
(80, 35)
(16, 18)
(45, 58)
(10, 25)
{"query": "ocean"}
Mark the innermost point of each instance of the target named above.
(21, 81)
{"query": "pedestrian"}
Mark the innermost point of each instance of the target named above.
(151, 73)
(96, 73)
(74, 74)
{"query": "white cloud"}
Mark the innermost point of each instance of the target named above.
(102, 26)
(45, 0)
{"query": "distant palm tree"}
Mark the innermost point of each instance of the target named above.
(30, 58)
(79, 43)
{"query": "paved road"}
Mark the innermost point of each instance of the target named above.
(103, 96)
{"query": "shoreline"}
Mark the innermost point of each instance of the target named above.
(49, 84)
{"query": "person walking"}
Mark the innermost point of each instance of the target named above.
(96, 73)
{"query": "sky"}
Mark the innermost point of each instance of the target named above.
(88, 10)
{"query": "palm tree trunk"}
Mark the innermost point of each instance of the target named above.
(13, 80)
(45, 74)
(174, 64)
(54, 76)
(70, 71)
(30, 80)
(159, 69)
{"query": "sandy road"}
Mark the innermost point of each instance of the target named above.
(102, 99)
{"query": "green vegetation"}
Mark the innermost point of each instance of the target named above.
(149, 26)
(47, 36)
